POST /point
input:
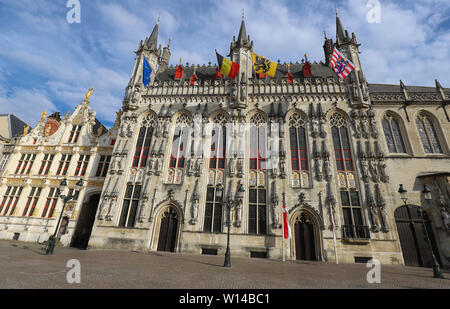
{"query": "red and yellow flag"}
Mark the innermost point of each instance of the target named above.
(227, 67)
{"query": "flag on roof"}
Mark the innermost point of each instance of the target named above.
(218, 75)
(290, 77)
(179, 72)
(341, 65)
(227, 67)
(193, 78)
(263, 65)
(147, 73)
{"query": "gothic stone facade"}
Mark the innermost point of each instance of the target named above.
(325, 148)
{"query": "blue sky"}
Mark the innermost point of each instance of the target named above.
(47, 63)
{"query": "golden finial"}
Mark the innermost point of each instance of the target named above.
(306, 58)
(242, 13)
(181, 60)
(325, 35)
(88, 94)
(25, 130)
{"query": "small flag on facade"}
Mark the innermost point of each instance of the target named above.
(218, 75)
(227, 67)
(341, 65)
(263, 65)
(147, 73)
(287, 228)
(179, 72)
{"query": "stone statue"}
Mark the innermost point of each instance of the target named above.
(365, 170)
(194, 210)
(315, 126)
(243, 91)
(327, 170)
(232, 165)
(189, 167)
(365, 126)
(373, 169)
(445, 214)
(282, 167)
(317, 168)
(373, 126)
(276, 217)
(376, 220)
(382, 170)
(118, 162)
(240, 167)
(158, 165)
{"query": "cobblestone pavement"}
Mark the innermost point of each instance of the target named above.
(24, 265)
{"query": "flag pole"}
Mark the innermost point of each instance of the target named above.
(282, 231)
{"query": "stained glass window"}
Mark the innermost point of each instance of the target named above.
(428, 135)
(393, 134)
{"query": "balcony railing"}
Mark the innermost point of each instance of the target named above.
(355, 232)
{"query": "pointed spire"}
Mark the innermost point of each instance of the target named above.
(341, 36)
(152, 42)
(242, 37)
(243, 40)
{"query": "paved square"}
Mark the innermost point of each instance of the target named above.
(24, 265)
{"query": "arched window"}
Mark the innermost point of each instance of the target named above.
(351, 207)
(394, 139)
(257, 221)
(179, 148)
(428, 135)
(258, 142)
(299, 153)
(213, 208)
(144, 140)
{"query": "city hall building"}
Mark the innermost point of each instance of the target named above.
(333, 151)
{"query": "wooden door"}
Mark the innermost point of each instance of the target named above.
(413, 238)
(168, 231)
(304, 239)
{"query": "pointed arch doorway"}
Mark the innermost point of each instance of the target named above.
(305, 248)
(168, 230)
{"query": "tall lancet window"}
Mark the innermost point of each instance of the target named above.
(394, 139)
(179, 149)
(144, 140)
(351, 207)
(257, 217)
(213, 208)
(428, 134)
(299, 153)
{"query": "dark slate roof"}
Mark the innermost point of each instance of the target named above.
(97, 125)
(209, 72)
(396, 88)
(16, 125)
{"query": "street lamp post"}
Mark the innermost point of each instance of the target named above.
(65, 198)
(241, 190)
(427, 196)
(436, 269)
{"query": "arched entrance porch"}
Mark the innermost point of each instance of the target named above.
(86, 218)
